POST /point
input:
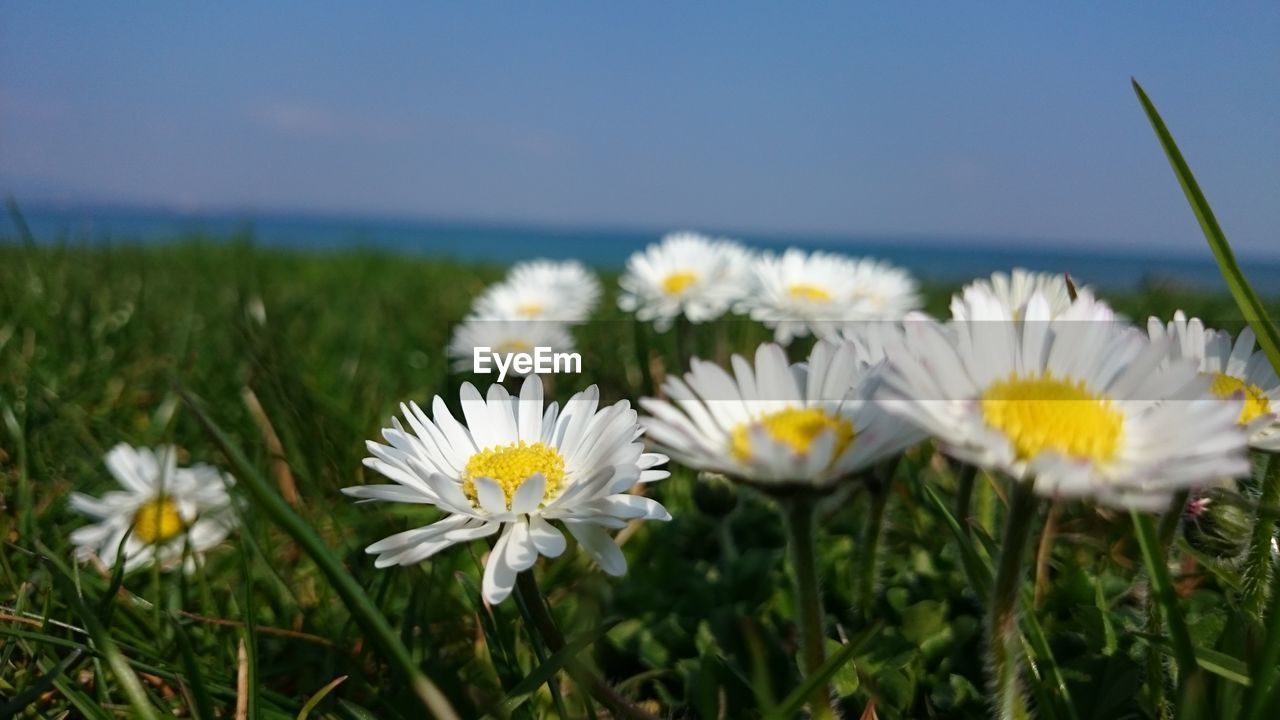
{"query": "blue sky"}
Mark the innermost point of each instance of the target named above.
(918, 119)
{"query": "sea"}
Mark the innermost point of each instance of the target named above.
(941, 259)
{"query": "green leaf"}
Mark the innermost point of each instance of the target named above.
(353, 596)
(1241, 291)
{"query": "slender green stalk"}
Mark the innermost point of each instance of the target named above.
(540, 646)
(1004, 643)
(1268, 665)
(1169, 521)
(800, 541)
(1258, 561)
(540, 615)
(965, 476)
(684, 342)
(1162, 588)
(878, 496)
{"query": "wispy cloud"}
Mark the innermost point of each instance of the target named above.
(311, 120)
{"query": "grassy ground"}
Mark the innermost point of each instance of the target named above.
(300, 358)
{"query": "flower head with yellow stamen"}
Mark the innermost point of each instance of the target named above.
(513, 469)
(542, 290)
(1078, 402)
(686, 274)
(160, 512)
(1236, 371)
(774, 424)
(798, 293)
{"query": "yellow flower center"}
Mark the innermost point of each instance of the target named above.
(1255, 402)
(158, 521)
(678, 282)
(530, 310)
(507, 347)
(510, 465)
(809, 293)
(1044, 414)
(796, 428)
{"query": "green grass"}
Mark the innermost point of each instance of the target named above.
(100, 345)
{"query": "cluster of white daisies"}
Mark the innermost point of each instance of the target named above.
(691, 278)
(1028, 378)
(536, 305)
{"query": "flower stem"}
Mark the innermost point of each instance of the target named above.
(1258, 562)
(1004, 642)
(800, 541)
(965, 476)
(878, 496)
(545, 625)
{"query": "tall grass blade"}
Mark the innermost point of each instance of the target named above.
(1241, 291)
(353, 596)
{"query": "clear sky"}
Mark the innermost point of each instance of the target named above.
(913, 118)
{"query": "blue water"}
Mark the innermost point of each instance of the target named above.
(939, 259)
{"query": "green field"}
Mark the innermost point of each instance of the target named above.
(297, 359)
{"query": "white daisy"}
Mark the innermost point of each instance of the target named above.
(799, 293)
(541, 290)
(1234, 371)
(1085, 408)
(505, 337)
(685, 274)
(514, 467)
(776, 424)
(164, 509)
(1015, 290)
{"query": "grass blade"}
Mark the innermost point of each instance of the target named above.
(102, 640)
(353, 596)
(543, 674)
(191, 670)
(791, 705)
(320, 695)
(1241, 291)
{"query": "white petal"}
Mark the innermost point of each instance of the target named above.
(490, 496)
(599, 546)
(529, 495)
(499, 578)
(546, 538)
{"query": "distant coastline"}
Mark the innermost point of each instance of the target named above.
(930, 258)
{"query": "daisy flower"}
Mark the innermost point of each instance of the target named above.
(162, 508)
(541, 290)
(512, 470)
(1014, 290)
(1086, 409)
(800, 293)
(685, 274)
(775, 424)
(505, 337)
(1235, 370)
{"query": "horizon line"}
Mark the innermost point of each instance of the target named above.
(767, 236)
